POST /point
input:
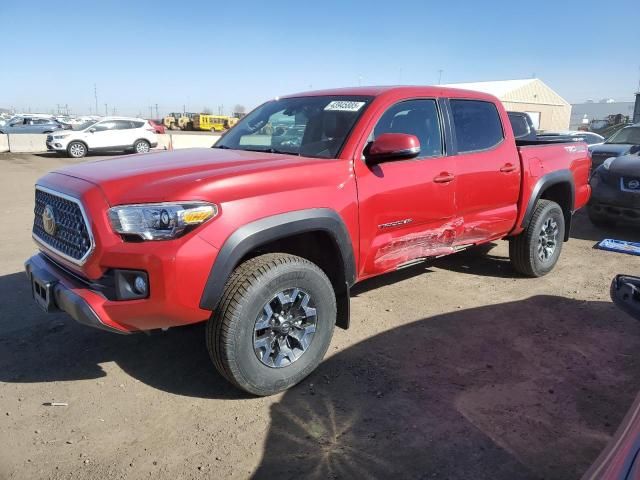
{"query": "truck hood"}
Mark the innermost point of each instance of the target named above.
(190, 174)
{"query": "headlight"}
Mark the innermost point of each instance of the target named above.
(160, 221)
(607, 163)
(59, 137)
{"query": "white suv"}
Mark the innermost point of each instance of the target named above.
(107, 134)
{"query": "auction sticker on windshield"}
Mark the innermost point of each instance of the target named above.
(344, 106)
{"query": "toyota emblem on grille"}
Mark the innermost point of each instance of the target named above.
(49, 220)
(634, 184)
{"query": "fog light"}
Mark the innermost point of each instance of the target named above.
(140, 285)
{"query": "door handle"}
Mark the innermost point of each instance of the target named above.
(444, 177)
(508, 167)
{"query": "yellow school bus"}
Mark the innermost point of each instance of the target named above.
(213, 123)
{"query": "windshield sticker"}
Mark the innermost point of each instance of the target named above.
(344, 106)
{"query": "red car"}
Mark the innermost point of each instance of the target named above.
(263, 235)
(157, 127)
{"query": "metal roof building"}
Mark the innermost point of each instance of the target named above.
(547, 109)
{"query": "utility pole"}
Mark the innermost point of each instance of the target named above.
(113, 111)
(66, 108)
(157, 115)
(106, 110)
(184, 109)
(58, 108)
(150, 111)
(440, 76)
(95, 95)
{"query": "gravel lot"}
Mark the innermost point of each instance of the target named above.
(455, 369)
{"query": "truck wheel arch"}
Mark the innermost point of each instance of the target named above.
(559, 187)
(252, 236)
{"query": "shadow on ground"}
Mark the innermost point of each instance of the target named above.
(39, 347)
(583, 229)
(529, 389)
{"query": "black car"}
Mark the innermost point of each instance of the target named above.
(615, 195)
(624, 141)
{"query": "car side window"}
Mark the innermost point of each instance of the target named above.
(414, 117)
(123, 124)
(103, 126)
(138, 124)
(477, 125)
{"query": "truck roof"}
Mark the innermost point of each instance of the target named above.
(406, 90)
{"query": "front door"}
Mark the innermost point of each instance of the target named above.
(103, 135)
(407, 207)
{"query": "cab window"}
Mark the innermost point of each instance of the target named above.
(477, 125)
(414, 117)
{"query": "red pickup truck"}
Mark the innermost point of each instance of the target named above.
(263, 235)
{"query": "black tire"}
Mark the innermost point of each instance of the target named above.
(525, 248)
(77, 150)
(141, 146)
(230, 330)
(599, 220)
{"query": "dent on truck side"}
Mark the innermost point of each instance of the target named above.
(260, 232)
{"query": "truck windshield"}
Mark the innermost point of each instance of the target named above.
(314, 126)
(628, 135)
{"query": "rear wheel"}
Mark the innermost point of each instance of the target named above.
(141, 146)
(536, 250)
(273, 324)
(76, 150)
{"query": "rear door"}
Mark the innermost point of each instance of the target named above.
(125, 132)
(488, 171)
(407, 207)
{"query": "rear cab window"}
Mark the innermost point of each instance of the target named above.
(477, 125)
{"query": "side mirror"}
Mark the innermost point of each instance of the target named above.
(392, 146)
(625, 293)
(92, 130)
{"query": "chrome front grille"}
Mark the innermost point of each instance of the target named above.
(61, 225)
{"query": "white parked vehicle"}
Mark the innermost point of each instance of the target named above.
(108, 134)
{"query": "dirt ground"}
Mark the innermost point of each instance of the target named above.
(454, 369)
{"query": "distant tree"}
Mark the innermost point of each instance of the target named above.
(239, 109)
(206, 110)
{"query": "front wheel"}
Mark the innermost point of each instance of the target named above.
(77, 150)
(536, 250)
(273, 324)
(141, 146)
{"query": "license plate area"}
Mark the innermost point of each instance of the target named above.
(630, 184)
(42, 290)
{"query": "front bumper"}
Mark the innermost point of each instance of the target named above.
(611, 202)
(61, 293)
(55, 146)
(176, 281)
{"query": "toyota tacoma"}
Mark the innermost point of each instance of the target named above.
(263, 235)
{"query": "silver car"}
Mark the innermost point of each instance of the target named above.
(26, 124)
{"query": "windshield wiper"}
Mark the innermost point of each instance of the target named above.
(271, 150)
(221, 146)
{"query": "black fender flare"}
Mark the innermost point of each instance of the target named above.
(260, 232)
(543, 183)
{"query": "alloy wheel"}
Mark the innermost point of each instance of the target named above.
(285, 328)
(547, 239)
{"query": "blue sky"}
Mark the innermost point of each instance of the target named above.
(206, 54)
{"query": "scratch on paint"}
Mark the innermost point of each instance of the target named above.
(418, 245)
